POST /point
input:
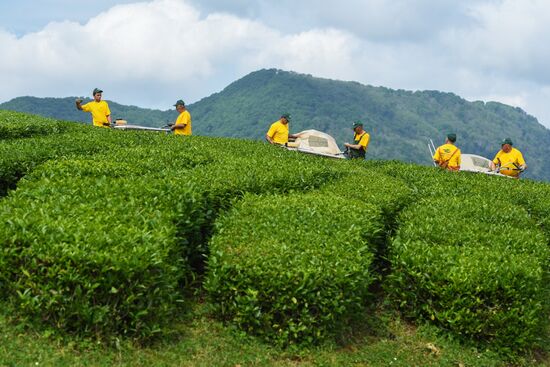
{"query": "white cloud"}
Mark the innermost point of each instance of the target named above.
(509, 38)
(320, 52)
(164, 45)
(377, 20)
(151, 53)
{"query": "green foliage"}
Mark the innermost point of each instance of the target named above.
(102, 230)
(95, 256)
(19, 154)
(296, 269)
(18, 125)
(248, 167)
(374, 187)
(106, 226)
(292, 270)
(533, 196)
(471, 256)
(473, 265)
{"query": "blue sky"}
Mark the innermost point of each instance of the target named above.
(151, 53)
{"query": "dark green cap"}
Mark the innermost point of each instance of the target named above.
(451, 137)
(357, 124)
(286, 116)
(507, 141)
(180, 103)
(96, 91)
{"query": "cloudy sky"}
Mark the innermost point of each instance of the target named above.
(151, 53)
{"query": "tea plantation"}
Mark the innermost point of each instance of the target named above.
(117, 237)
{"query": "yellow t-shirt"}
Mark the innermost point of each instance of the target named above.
(278, 132)
(183, 119)
(363, 140)
(507, 161)
(100, 110)
(444, 153)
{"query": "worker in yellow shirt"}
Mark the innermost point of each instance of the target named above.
(509, 161)
(361, 139)
(278, 131)
(183, 122)
(101, 114)
(447, 156)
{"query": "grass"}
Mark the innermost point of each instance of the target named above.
(201, 341)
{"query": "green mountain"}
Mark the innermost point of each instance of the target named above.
(400, 122)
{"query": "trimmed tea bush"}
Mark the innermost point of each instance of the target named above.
(293, 269)
(371, 186)
(535, 198)
(15, 125)
(105, 227)
(254, 168)
(474, 266)
(95, 257)
(100, 244)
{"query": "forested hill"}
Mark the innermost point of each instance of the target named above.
(400, 122)
(64, 109)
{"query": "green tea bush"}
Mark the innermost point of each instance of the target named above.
(18, 157)
(96, 256)
(248, 167)
(427, 182)
(535, 198)
(98, 242)
(371, 186)
(473, 265)
(293, 269)
(106, 226)
(144, 152)
(15, 125)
